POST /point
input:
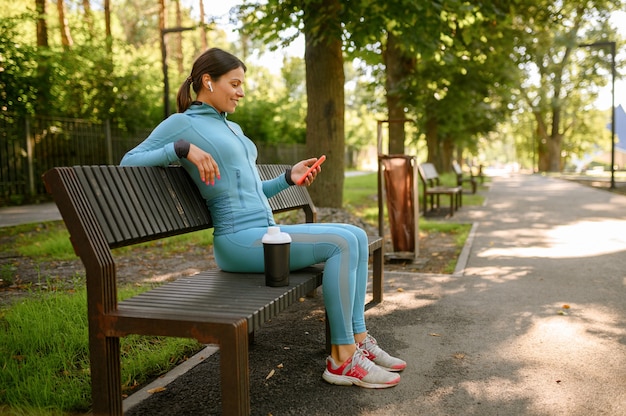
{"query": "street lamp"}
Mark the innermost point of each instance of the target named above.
(166, 83)
(611, 45)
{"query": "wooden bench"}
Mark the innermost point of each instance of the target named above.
(432, 190)
(461, 179)
(106, 207)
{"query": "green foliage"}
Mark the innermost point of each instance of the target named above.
(17, 68)
(273, 111)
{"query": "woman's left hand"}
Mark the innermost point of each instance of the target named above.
(301, 168)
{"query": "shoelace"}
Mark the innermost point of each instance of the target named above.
(370, 344)
(360, 358)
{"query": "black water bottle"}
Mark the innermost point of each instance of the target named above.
(276, 246)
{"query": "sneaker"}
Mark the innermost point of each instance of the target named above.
(359, 370)
(380, 357)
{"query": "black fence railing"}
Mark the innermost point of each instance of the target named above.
(30, 146)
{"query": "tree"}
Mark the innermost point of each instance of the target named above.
(66, 37)
(325, 81)
(42, 26)
(553, 32)
(320, 22)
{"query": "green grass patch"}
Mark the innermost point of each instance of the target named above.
(51, 241)
(44, 345)
(360, 193)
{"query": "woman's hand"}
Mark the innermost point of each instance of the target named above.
(301, 168)
(207, 168)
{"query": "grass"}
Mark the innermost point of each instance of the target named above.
(44, 341)
(46, 359)
(50, 241)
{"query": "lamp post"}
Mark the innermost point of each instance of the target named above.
(611, 45)
(166, 83)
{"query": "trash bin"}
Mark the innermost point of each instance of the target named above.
(402, 206)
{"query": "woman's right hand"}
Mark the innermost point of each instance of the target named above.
(207, 167)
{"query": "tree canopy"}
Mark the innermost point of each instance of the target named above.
(459, 70)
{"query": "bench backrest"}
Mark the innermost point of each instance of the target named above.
(428, 174)
(130, 205)
(457, 168)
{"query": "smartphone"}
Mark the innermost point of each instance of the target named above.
(321, 160)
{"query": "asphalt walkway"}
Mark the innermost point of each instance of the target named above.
(533, 323)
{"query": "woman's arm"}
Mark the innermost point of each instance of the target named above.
(158, 148)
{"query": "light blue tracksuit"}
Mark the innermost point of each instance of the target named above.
(241, 214)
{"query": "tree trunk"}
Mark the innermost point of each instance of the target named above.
(107, 26)
(432, 139)
(66, 37)
(398, 67)
(88, 18)
(447, 153)
(203, 29)
(42, 27)
(43, 69)
(325, 99)
(554, 152)
(178, 47)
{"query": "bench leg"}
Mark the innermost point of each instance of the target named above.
(234, 370)
(377, 274)
(452, 204)
(106, 378)
(327, 329)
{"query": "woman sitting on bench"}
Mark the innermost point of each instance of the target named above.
(222, 162)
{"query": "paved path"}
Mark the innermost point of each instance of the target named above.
(505, 344)
(26, 214)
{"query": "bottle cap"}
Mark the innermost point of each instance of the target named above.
(275, 236)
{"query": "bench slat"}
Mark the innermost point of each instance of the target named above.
(293, 197)
(142, 204)
(221, 294)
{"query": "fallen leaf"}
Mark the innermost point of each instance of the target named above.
(301, 299)
(400, 289)
(280, 365)
(270, 374)
(433, 334)
(156, 390)
(566, 306)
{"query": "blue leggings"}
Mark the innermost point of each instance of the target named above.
(343, 248)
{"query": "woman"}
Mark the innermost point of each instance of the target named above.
(222, 162)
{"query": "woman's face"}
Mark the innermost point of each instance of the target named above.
(227, 91)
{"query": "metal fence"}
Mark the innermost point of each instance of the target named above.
(29, 146)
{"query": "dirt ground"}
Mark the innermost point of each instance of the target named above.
(22, 275)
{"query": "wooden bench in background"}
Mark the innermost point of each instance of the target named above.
(460, 178)
(432, 190)
(106, 207)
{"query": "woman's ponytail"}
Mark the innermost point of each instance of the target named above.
(183, 98)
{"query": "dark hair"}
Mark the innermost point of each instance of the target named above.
(214, 62)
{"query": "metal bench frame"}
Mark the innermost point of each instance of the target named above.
(106, 207)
